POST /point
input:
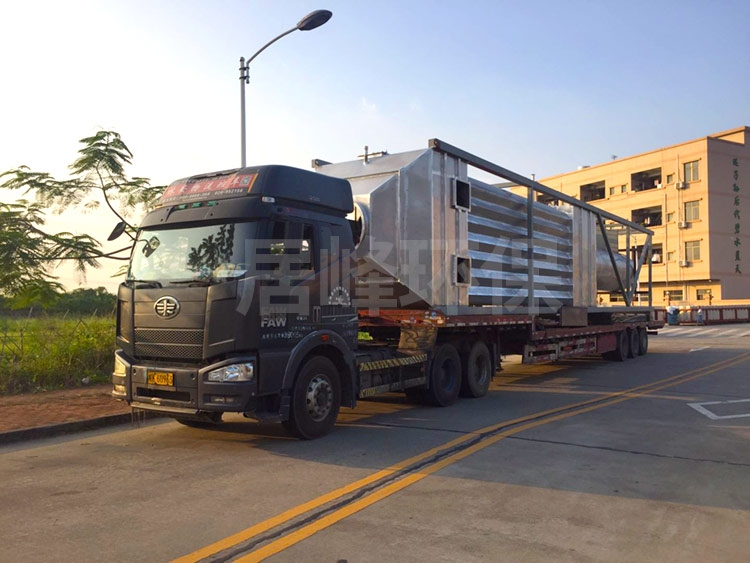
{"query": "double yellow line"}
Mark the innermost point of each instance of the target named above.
(483, 438)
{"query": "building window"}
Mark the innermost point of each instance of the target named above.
(693, 250)
(703, 295)
(673, 295)
(612, 190)
(657, 255)
(691, 171)
(647, 216)
(646, 180)
(692, 211)
(670, 217)
(590, 192)
(670, 178)
(670, 256)
(623, 188)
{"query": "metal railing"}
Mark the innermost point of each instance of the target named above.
(629, 284)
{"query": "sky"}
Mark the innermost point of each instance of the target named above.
(537, 87)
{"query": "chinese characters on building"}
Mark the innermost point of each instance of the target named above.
(736, 214)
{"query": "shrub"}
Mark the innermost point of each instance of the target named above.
(54, 353)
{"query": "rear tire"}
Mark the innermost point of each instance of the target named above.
(643, 338)
(206, 420)
(316, 398)
(634, 343)
(620, 353)
(445, 377)
(477, 371)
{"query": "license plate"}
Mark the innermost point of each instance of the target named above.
(160, 378)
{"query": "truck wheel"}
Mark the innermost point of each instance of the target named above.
(620, 353)
(445, 376)
(477, 371)
(204, 420)
(634, 343)
(643, 339)
(316, 398)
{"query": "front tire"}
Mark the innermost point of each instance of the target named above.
(316, 398)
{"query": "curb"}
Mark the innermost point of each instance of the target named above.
(52, 430)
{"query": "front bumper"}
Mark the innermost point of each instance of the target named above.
(190, 394)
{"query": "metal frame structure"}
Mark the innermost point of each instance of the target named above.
(629, 285)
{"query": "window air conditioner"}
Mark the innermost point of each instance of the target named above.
(683, 225)
(684, 263)
(680, 185)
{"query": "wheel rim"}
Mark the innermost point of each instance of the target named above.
(319, 398)
(482, 370)
(447, 375)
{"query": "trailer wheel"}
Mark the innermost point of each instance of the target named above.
(445, 377)
(204, 420)
(634, 343)
(316, 398)
(643, 338)
(477, 371)
(619, 354)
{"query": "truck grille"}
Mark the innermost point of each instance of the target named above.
(169, 343)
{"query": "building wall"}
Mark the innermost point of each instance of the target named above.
(715, 271)
(730, 262)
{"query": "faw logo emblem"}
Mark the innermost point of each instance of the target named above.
(167, 307)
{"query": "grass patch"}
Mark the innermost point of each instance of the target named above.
(55, 352)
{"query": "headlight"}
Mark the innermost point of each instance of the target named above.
(120, 368)
(234, 372)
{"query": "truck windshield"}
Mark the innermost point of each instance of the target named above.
(201, 254)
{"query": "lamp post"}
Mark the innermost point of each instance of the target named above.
(310, 21)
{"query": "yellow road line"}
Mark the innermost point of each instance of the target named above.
(287, 515)
(346, 511)
(568, 391)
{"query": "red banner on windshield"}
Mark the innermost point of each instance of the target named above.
(197, 190)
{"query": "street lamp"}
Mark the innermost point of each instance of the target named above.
(310, 21)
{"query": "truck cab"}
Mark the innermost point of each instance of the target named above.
(236, 279)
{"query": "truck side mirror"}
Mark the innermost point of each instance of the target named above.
(117, 231)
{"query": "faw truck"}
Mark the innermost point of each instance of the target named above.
(284, 294)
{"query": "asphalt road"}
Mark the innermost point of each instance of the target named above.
(651, 462)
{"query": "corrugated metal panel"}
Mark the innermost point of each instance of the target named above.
(498, 246)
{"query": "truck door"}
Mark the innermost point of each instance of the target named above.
(289, 299)
(337, 281)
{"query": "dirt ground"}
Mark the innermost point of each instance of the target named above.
(52, 407)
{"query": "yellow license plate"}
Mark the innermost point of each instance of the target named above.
(160, 378)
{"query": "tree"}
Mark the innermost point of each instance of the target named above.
(27, 251)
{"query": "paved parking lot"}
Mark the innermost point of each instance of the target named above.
(577, 461)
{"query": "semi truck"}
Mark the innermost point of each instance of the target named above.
(284, 294)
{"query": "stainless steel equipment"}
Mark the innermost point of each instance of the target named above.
(431, 236)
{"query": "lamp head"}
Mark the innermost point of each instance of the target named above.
(314, 19)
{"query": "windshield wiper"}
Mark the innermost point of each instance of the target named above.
(152, 283)
(200, 281)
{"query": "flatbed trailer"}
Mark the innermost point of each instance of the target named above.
(618, 336)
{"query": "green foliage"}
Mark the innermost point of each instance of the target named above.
(54, 353)
(27, 252)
